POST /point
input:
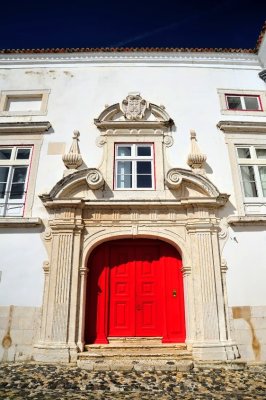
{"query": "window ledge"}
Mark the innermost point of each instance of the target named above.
(25, 127)
(18, 222)
(242, 127)
(235, 220)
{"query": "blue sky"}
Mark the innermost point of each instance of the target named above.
(127, 23)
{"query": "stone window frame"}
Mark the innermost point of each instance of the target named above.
(223, 93)
(7, 94)
(241, 134)
(28, 134)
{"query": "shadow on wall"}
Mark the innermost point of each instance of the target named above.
(245, 313)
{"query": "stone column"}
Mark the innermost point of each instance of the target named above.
(60, 316)
(189, 306)
(211, 340)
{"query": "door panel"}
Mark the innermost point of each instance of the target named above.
(148, 301)
(122, 291)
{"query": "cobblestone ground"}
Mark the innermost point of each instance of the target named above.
(42, 381)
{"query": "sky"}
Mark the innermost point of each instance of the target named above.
(131, 23)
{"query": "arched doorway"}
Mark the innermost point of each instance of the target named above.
(135, 289)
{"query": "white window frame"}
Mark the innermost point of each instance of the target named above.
(244, 134)
(6, 95)
(134, 159)
(254, 162)
(242, 101)
(14, 207)
(259, 94)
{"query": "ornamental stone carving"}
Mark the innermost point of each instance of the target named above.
(196, 159)
(134, 106)
(73, 158)
(173, 179)
(94, 179)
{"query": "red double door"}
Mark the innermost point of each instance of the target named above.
(135, 288)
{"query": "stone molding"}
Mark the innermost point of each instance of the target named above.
(242, 127)
(25, 127)
(19, 222)
(238, 220)
(172, 58)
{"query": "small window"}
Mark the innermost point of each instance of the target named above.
(252, 164)
(244, 103)
(23, 102)
(14, 169)
(134, 166)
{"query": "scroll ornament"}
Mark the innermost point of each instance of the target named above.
(173, 179)
(94, 179)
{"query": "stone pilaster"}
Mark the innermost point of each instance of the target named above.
(60, 316)
(211, 340)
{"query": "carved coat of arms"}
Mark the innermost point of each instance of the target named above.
(134, 106)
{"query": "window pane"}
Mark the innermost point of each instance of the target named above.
(19, 175)
(124, 167)
(234, 103)
(2, 190)
(17, 191)
(124, 151)
(262, 171)
(249, 183)
(144, 181)
(143, 167)
(4, 174)
(261, 153)
(5, 154)
(251, 103)
(23, 154)
(243, 152)
(124, 181)
(144, 151)
(124, 174)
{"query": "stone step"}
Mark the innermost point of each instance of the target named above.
(136, 353)
(137, 364)
(151, 340)
(142, 354)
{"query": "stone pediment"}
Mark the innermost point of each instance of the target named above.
(187, 187)
(135, 112)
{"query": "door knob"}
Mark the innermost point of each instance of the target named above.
(174, 293)
(138, 307)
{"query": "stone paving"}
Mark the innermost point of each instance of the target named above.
(46, 381)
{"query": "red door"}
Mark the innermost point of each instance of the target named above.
(135, 288)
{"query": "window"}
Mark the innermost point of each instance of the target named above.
(244, 102)
(252, 164)
(246, 142)
(23, 102)
(14, 171)
(134, 166)
(249, 103)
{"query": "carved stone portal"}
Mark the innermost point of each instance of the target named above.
(181, 211)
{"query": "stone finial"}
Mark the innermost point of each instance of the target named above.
(73, 158)
(196, 159)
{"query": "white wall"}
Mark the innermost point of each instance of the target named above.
(22, 254)
(78, 95)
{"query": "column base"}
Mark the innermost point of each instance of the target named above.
(55, 352)
(216, 351)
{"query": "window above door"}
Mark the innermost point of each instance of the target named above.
(134, 166)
